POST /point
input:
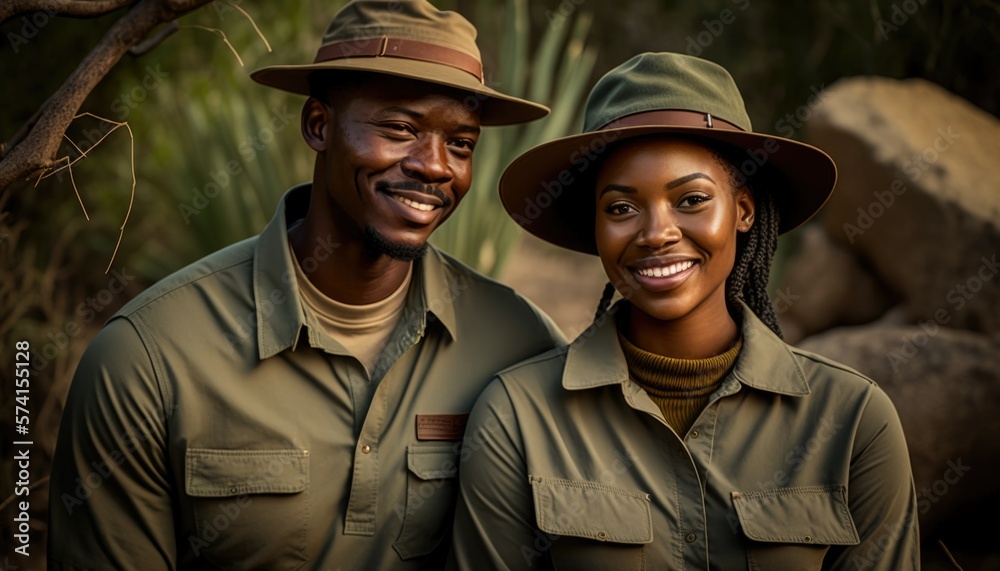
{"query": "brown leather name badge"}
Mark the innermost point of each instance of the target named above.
(441, 426)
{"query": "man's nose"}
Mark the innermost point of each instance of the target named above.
(427, 162)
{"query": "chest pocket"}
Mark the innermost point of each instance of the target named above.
(589, 525)
(431, 488)
(251, 507)
(793, 528)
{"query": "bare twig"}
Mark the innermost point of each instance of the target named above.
(72, 8)
(73, 182)
(131, 201)
(154, 40)
(224, 38)
(950, 558)
(36, 150)
(252, 23)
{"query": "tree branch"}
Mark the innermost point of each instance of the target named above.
(72, 8)
(37, 150)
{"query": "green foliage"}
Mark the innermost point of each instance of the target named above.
(480, 233)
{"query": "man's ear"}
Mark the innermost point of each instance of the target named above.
(315, 120)
(744, 209)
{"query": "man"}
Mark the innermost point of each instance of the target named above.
(296, 400)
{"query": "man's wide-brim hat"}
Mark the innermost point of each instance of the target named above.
(410, 39)
(549, 190)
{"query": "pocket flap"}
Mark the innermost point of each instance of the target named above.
(592, 510)
(224, 473)
(433, 461)
(806, 514)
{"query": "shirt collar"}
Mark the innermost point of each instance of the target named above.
(280, 316)
(766, 363)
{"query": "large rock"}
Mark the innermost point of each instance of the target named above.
(918, 194)
(945, 384)
(826, 286)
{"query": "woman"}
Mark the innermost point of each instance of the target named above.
(679, 431)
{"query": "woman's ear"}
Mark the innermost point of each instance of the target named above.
(744, 209)
(315, 119)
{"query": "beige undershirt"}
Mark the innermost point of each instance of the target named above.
(361, 329)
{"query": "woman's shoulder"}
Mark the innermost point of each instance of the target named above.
(823, 368)
(542, 371)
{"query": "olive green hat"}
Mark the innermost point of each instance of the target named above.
(410, 39)
(549, 190)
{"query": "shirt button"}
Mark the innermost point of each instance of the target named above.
(695, 434)
(366, 449)
(602, 536)
(690, 538)
(808, 539)
(680, 453)
(233, 490)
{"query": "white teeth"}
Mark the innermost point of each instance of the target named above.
(415, 205)
(666, 270)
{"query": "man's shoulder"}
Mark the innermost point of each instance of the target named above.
(225, 270)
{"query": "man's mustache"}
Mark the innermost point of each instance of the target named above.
(385, 186)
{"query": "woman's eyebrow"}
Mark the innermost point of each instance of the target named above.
(688, 178)
(618, 188)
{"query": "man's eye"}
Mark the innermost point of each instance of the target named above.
(463, 147)
(398, 127)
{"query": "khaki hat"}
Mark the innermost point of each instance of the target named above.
(549, 190)
(410, 39)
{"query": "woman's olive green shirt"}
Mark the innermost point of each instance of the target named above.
(797, 462)
(214, 424)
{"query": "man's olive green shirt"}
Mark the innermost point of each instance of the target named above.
(797, 462)
(213, 424)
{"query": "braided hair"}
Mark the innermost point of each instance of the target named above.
(754, 249)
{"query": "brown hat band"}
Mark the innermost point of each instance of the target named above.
(406, 49)
(671, 118)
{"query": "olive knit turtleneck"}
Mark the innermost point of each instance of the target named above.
(680, 387)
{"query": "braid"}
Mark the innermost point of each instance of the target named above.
(605, 303)
(754, 250)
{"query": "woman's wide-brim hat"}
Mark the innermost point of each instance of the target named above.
(410, 39)
(549, 190)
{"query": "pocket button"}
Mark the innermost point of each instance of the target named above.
(691, 538)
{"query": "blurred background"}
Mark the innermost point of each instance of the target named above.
(895, 278)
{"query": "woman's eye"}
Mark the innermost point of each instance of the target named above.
(618, 208)
(694, 200)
